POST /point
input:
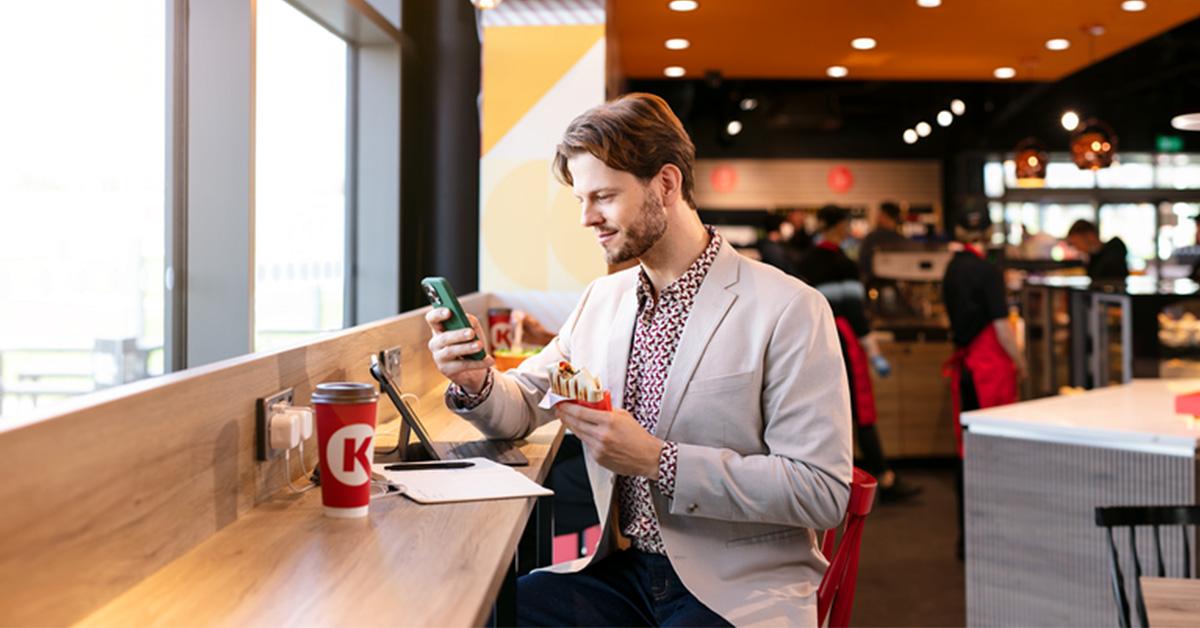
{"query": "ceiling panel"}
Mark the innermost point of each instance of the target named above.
(960, 40)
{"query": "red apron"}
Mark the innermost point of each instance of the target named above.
(860, 374)
(992, 372)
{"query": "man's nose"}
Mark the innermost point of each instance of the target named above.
(589, 216)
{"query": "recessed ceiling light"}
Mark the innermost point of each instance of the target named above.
(683, 5)
(1057, 43)
(929, 4)
(923, 129)
(837, 71)
(944, 118)
(677, 43)
(1070, 120)
(749, 104)
(910, 136)
(674, 71)
(958, 107)
(1133, 6)
(1004, 73)
(862, 43)
(734, 127)
(1186, 122)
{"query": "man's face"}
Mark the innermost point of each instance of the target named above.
(627, 217)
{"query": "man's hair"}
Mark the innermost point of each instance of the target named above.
(636, 133)
(831, 215)
(1082, 227)
(891, 209)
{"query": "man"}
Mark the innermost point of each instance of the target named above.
(986, 363)
(826, 268)
(1106, 260)
(729, 444)
(885, 235)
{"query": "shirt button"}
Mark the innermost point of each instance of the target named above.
(692, 507)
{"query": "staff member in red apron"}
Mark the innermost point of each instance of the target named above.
(826, 268)
(986, 363)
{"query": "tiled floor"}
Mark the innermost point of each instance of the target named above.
(908, 575)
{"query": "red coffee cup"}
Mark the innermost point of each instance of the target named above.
(346, 442)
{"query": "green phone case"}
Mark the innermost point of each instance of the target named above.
(440, 294)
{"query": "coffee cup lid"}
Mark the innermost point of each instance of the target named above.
(345, 392)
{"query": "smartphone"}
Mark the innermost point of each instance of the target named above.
(440, 294)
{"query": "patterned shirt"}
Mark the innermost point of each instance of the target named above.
(656, 336)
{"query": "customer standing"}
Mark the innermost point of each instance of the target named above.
(836, 276)
(1107, 261)
(986, 363)
(886, 234)
(729, 444)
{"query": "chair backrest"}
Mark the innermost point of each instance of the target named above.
(1131, 517)
(837, 587)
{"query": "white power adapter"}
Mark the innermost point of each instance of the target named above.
(284, 429)
(289, 426)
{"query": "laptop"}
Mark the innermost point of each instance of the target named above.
(426, 448)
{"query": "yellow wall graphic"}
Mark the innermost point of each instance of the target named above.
(535, 80)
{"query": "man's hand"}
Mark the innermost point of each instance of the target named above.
(619, 443)
(449, 347)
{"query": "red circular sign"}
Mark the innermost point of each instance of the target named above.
(840, 179)
(723, 178)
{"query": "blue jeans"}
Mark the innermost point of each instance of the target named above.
(627, 588)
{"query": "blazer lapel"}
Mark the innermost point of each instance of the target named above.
(711, 304)
(619, 340)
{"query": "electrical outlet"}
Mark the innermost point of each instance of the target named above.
(262, 435)
(391, 363)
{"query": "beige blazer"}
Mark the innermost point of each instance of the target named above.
(758, 402)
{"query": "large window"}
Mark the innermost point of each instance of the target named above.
(81, 197)
(300, 177)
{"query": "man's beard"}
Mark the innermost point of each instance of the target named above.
(641, 235)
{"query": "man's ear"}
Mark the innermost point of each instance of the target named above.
(672, 184)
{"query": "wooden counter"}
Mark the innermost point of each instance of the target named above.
(286, 564)
(1172, 601)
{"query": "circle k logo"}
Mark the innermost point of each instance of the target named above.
(349, 452)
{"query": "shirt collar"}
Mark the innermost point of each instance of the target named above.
(690, 279)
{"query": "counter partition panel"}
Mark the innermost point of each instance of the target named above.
(112, 487)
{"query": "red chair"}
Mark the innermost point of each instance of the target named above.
(837, 587)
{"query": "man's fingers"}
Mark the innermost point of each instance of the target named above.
(581, 414)
(457, 351)
(451, 338)
(435, 317)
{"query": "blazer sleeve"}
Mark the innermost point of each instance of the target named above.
(511, 410)
(804, 479)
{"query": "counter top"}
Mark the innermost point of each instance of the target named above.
(404, 564)
(1137, 286)
(1138, 416)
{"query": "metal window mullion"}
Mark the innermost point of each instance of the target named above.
(175, 272)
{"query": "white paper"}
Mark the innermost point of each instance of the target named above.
(483, 481)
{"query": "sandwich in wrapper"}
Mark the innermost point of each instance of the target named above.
(573, 385)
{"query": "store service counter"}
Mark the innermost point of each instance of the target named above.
(1035, 472)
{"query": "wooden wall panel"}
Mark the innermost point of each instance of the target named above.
(771, 183)
(112, 486)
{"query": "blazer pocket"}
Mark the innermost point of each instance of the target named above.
(772, 536)
(722, 383)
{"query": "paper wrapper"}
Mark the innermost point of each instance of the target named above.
(551, 399)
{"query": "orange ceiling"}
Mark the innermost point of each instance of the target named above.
(960, 40)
